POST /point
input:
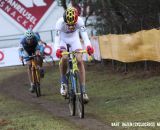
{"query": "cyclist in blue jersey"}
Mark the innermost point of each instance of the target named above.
(28, 46)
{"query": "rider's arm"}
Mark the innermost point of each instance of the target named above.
(20, 52)
(83, 32)
(20, 47)
(39, 38)
(57, 40)
(38, 47)
(85, 37)
(58, 31)
(39, 50)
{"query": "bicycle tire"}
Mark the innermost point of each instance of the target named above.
(79, 97)
(72, 104)
(72, 96)
(37, 84)
(38, 90)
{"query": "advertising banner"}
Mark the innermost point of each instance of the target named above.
(27, 13)
(10, 56)
(143, 45)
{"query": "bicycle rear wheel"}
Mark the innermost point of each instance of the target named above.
(79, 97)
(72, 96)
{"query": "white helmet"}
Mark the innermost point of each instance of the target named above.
(29, 34)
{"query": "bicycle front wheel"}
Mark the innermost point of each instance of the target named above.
(37, 84)
(71, 94)
(38, 89)
(72, 103)
(79, 97)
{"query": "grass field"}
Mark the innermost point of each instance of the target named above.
(15, 115)
(132, 97)
(118, 97)
(114, 97)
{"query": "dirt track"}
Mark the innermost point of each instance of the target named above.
(15, 87)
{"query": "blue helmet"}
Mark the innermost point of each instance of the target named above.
(29, 34)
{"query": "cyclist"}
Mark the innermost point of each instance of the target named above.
(67, 33)
(28, 46)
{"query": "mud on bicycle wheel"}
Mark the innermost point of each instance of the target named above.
(79, 97)
(38, 89)
(72, 103)
(71, 95)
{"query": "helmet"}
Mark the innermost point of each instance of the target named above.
(29, 34)
(70, 16)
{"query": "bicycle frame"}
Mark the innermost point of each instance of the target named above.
(36, 75)
(72, 60)
(72, 66)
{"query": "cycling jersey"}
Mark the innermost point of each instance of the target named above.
(66, 34)
(41, 47)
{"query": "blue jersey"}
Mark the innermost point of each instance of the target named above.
(30, 48)
(37, 36)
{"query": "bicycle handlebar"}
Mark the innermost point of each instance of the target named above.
(27, 57)
(32, 56)
(73, 52)
(90, 58)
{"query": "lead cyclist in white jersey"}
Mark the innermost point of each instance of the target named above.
(67, 32)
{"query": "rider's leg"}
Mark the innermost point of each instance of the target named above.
(82, 76)
(81, 67)
(40, 64)
(63, 62)
(63, 67)
(39, 60)
(63, 70)
(30, 76)
(77, 45)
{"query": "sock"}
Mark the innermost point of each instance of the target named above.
(63, 79)
(83, 88)
(32, 84)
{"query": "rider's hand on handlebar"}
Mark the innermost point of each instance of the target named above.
(45, 43)
(90, 50)
(38, 53)
(21, 58)
(59, 53)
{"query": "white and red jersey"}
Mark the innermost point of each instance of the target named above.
(66, 35)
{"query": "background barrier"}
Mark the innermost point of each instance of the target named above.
(140, 46)
(10, 56)
(143, 45)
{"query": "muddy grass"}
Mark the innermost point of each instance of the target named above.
(17, 87)
(115, 96)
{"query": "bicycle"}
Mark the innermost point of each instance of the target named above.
(75, 91)
(35, 72)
